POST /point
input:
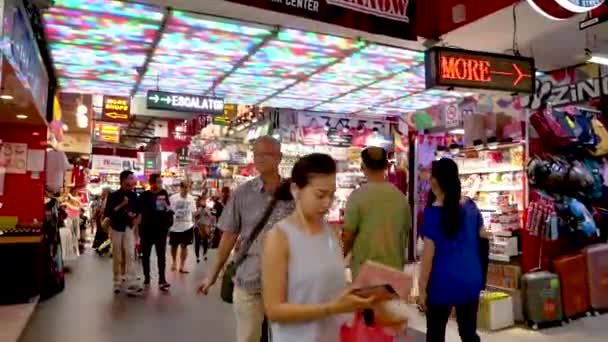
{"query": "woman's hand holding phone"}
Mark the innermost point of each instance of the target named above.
(350, 302)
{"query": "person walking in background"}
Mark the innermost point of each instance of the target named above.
(303, 267)
(218, 208)
(122, 213)
(181, 233)
(101, 234)
(377, 219)
(243, 212)
(451, 272)
(204, 220)
(156, 217)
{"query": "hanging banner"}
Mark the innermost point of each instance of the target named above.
(547, 92)
(394, 18)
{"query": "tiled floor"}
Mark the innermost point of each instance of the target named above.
(88, 311)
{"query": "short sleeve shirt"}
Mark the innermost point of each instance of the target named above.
(456, 277)
(379, 215)
(183, 212)
(241, 214)
(120, 219)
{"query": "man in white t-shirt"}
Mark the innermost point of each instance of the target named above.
(181, 234)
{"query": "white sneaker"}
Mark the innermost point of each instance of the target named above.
(134, 291)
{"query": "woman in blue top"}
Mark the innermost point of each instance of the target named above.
(451, 275)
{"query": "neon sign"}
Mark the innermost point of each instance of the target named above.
(116, 109)
(454, 68)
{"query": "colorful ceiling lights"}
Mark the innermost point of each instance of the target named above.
(97, 45)
(101, 46)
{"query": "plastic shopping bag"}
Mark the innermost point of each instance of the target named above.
(359, 332)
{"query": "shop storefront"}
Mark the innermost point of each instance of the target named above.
(28, 242)
(485, 133)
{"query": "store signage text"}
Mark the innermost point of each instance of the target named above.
(595, 17)
(451, 68)
(184, 102)
(564, 9)
(562, 95)
(392, 9)
(386, 17)
(106, 132)
(22, 51)
(116, 108)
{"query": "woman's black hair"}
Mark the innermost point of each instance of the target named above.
(311, 165)
(445, 172)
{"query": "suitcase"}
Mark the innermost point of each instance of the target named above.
(597, 273)
(572, 272)
(542, 298)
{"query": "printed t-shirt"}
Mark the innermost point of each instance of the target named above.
(183, 209)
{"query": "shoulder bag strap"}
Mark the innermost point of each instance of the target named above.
(254, 234)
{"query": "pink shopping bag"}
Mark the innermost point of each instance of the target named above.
(359, 332)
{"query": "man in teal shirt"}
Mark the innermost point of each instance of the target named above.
(377, 220)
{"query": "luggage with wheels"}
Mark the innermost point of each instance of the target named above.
(572, 272)
(542, 298)
(597, 273)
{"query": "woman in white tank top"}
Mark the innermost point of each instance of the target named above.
(302, 266)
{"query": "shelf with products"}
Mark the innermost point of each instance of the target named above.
(348, 176)
(494, 179)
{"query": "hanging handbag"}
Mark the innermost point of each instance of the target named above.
(230, 271)
(359, 331)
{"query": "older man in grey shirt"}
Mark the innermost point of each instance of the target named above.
(242, 213)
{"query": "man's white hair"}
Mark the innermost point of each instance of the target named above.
(268, 139)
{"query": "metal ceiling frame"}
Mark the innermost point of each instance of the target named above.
(252, 51)
(141, 72)
(361, 87)
(316, 72)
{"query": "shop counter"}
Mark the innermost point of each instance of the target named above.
(20, 266)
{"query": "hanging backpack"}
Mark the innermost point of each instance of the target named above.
(594, 191)
(601, 148)
(549, 129)
(584, 131)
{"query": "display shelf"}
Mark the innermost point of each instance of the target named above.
(499, 188)
(502, 258)
(495, 169)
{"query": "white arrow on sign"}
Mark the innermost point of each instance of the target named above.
(166, 99)
(154, 98)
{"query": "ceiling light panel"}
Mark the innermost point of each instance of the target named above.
(340, 107)
(293, 103)
(317, 90)
(370, 65)
(200, 49)
(372, 95)
(425, 100)
(295, 54)
(99, 44)
(284, 60)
